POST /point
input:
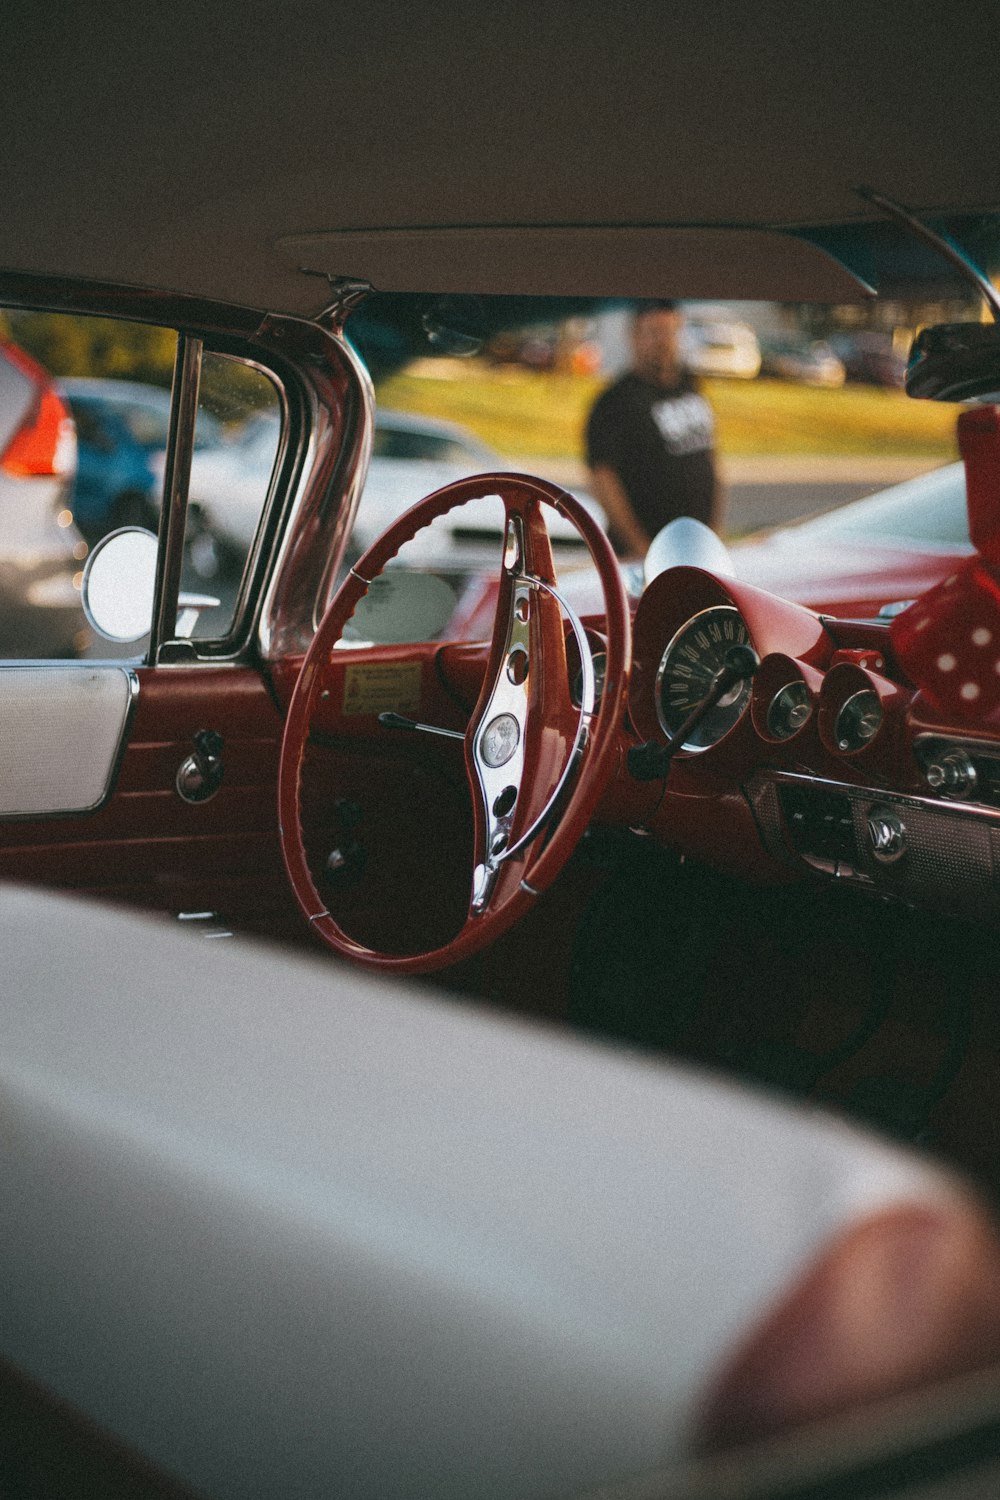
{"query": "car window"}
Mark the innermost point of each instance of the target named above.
(72, 466)
(237, 434)
(84, 421)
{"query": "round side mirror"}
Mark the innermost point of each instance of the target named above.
(119, 584)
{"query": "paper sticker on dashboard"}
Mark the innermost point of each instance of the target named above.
(381, 687)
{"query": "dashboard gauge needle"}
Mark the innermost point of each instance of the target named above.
(651, 761)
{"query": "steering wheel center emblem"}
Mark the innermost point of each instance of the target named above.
(499, 740)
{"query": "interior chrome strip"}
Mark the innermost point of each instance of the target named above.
(880, 794)
(485, 875)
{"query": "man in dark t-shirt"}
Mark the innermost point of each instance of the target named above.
(650, 438)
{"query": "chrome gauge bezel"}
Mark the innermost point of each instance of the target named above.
(840, 738)
(784, 730)
(738, 698)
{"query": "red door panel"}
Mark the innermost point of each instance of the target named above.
(149, 847)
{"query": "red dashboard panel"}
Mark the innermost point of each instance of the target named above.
(830, 765)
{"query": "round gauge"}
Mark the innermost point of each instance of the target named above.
(859, 720)
(788, 710)
(687, 669)
(600, 661)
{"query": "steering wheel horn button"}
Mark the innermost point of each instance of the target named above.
(499, 740)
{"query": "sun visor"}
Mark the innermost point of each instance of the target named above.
(748, 264)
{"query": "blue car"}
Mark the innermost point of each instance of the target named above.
(115, 484)
(121, 428)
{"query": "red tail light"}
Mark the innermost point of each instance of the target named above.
(45, 443)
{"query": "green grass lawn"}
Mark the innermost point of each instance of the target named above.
(521, 412)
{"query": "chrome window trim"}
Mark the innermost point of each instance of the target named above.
(173, 505)
(365, 431)
(288, 473)
(275, 636)
(230, 647)
(264, 631)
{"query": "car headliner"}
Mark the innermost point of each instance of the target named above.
(513, 148)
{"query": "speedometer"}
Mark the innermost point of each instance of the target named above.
(688, 668)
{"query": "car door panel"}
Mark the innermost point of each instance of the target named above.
(145, 844)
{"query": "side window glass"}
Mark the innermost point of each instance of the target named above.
(236, 441)
(84, 405)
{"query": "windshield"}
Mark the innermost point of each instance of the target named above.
(746, 415)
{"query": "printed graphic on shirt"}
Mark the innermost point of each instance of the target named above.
(685, 423)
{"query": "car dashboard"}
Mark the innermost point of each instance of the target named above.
(828, 764)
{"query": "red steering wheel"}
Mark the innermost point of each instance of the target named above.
(536, 761)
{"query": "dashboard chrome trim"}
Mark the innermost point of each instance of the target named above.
(942, 855)
(881, 794)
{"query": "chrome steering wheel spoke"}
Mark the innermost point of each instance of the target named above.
(499, 743)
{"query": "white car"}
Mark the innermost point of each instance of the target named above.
(411, 457)
(720, 348)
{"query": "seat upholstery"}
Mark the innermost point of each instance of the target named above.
(285, 1229)
(907, 1296)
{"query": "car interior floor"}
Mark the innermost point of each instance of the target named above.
(880, 1013)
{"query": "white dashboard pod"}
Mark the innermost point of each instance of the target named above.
(685, 542)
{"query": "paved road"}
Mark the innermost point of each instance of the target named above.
(773, 491)
(750, 507)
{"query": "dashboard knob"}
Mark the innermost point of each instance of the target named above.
(887, 834)
(951, 774)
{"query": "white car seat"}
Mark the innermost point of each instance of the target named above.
(286, 1230)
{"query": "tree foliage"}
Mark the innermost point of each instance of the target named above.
(68, 344)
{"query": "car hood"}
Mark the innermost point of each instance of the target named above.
(841, 577)
(426, 148)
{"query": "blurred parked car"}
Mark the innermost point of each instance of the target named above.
(40, 548)
(411, 456)
(810, 362)
(720, 348)
(122, 436)
(870, 358)
(115, 484)
(850, 562)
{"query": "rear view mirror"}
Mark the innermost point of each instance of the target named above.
(955, 362)
(455, 326)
